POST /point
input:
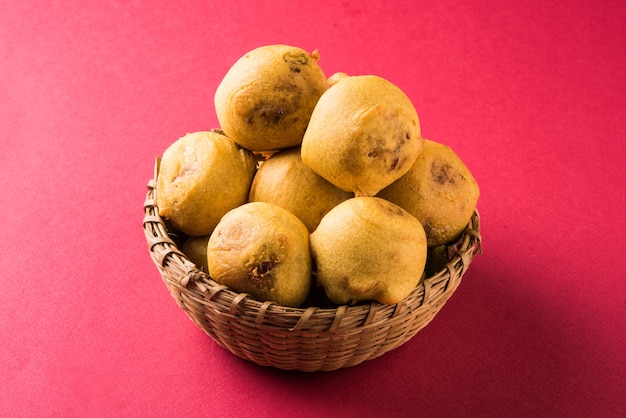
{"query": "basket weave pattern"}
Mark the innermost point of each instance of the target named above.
(306, 339)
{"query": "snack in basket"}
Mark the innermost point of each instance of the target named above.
(367, 248)
(262, 249)
(202, 176)
(195, 248)
(439, 190)
(364, 134)
(284, 180)
(265, 100)
(241, 204)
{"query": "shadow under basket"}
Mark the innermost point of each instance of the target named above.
(309, 338)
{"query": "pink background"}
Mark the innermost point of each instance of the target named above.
(531, 95)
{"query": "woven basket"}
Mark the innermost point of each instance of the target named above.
(310, 338)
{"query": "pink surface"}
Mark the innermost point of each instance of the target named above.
(532, 96)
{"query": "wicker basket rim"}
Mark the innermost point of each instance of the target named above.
(166, 254)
